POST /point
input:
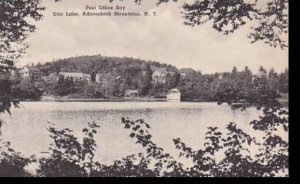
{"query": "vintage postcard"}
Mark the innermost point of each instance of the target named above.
(144, 88)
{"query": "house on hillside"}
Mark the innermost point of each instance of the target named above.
(76, 76)
(186, 71)
(131, 93)
(259, 76)
(223, 75)
(174, 95)
(171, 73)
(51, 77)
(104, 78)
(159, 75)
(31, 72)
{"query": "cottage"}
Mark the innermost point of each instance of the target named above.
(131, 93)
(174, 95)
(261, 74)
(186, 71)
(223, 75)
(76, 75)
(51, 77)
(159, 75)
(31, 72)
(104, 78)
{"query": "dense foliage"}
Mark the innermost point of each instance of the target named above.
(12, 163)
(69, 157)
(16, 23)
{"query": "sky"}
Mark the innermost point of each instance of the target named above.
(163, 38)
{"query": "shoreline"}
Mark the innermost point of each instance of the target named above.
(137, 99)
(283, 102)
(55, 99)
(284, 105)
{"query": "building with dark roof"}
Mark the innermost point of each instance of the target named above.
(31, 72)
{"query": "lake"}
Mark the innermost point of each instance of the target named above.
(27, 131)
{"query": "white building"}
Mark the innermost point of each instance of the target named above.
(186, 71)
(131, 93)
(76, 76)
(261, 74)
(31, 72)
(174, 95)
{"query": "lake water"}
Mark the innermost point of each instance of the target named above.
(27, 131)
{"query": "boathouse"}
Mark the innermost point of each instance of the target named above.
(174, 95)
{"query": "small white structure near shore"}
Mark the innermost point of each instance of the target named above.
(174, 95)
(131, 93)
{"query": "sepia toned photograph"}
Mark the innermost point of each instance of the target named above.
(144, 88)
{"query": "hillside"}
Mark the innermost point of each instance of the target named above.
(116, 74)
(98, 63)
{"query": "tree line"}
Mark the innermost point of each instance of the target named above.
(121, 74)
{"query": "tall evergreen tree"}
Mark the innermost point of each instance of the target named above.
(261, 69)
(247, 71)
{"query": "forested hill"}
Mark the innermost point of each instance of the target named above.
(98, 63)
(120, 75)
